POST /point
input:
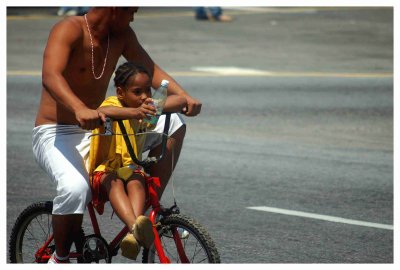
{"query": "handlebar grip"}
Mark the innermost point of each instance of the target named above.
(108, 126)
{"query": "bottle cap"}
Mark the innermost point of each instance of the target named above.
(165, 83)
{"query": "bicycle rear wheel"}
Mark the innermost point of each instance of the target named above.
(30, 233)
(197, 244)
(31, 230)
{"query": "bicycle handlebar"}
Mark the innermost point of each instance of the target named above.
(149, 160)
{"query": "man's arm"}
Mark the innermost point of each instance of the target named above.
(134, 52)
(175, 103)
(62, 39)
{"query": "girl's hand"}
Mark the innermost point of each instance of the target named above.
(146, 110)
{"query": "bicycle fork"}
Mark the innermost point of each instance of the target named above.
(157, 240)
(158, 246)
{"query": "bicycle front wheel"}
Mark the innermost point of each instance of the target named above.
(194, 244)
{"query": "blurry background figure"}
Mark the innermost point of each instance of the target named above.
(211, 14)
(72, 11)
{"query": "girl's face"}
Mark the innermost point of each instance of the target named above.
(137, 90)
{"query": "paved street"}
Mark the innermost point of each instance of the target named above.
(291, 159)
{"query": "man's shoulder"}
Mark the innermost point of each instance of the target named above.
(128, 35)
(72, 25)
(130, 42)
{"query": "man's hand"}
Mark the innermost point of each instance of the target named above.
(90, 119)
(193, 106)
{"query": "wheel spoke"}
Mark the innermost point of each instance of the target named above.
(168, 252)
(194, 253)
(30, 232)
(33, 238)
(49, 224)
(40, 224)
(186, 240)
(195, 242)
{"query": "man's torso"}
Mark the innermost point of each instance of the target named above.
(80, 78)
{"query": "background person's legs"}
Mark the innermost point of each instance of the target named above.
(200, 13)
(216, 12)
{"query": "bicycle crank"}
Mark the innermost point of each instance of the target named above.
(95, 249)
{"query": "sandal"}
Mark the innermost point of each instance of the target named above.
(129, 247)
(143, 231)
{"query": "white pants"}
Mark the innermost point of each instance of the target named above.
(62, 151)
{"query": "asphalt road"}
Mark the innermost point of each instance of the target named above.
(297, 115)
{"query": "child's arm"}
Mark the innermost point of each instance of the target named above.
(175, 103)
(129, 113)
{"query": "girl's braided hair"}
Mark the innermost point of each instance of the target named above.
(126, 70)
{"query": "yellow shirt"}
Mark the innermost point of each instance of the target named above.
(110, 153)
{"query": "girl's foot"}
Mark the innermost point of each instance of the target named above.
(143, 231)
(129, 247)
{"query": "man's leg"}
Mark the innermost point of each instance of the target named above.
(68, 208)
(59, 150)
(66, 228)
(165, 168)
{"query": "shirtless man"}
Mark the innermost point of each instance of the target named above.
(79, 60)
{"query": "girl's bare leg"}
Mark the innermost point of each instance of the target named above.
(136, 193)
(119, 199)
(143, 229)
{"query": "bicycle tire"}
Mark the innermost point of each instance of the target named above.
(195, 232)
(31, 218)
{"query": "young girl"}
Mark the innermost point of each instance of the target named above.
(114, 176)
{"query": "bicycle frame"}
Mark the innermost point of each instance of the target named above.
(152, 183)
(156, 209)
(153, 201)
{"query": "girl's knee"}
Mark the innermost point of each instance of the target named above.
(136, 180)
(117, 184)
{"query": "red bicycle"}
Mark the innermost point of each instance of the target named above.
(178, 238)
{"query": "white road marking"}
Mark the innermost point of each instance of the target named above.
(235, 10)
(321, 217)
(24, 73)
(272, 9)
(231, 71)
(248, 72)
(242, 72)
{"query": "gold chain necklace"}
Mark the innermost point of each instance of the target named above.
(105, 59)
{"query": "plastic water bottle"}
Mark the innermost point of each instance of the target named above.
(159, 98)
